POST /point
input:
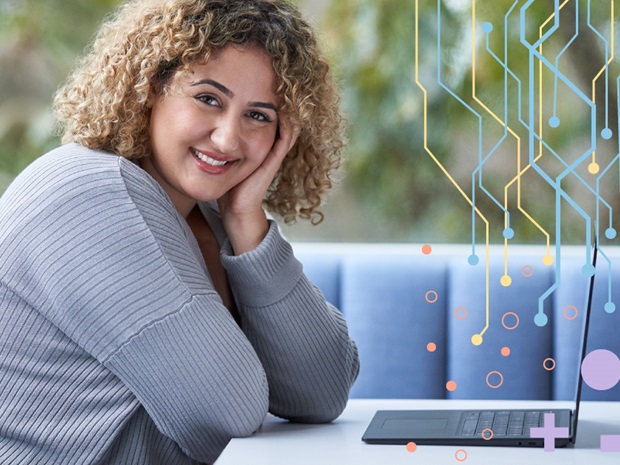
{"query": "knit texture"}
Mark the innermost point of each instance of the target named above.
(114, 346)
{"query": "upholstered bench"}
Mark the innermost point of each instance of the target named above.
(413, 315)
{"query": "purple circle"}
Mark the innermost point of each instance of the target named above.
(601, 369)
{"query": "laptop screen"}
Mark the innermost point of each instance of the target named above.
(584, 338)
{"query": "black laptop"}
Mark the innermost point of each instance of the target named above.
(479, 427)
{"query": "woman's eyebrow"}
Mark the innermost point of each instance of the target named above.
(229, 93)
(221, 87)
(268, 106)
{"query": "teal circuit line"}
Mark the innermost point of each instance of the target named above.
(554, 121)
(610, 233)
(606, 133)
(541, 319)
(477, 115)
(487, 28)
(609, 307)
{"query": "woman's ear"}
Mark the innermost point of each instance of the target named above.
(152, 97)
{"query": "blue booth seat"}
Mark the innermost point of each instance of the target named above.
(428, 326)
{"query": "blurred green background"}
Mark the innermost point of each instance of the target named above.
(392, 189)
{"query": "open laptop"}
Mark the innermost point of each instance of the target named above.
(479, 427)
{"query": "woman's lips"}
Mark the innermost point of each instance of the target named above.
(210, 164)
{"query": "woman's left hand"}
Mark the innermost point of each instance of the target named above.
(242, 207)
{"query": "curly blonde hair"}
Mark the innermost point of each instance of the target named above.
(104, 104)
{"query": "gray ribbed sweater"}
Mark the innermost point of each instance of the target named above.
(115, 347)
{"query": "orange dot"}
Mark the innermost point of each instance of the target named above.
(451, 386)
(412, 447)
(505, 351)
(427, 249)
(431, 347)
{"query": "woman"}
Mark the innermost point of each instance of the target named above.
(149, 309)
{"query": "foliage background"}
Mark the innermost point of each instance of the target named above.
(392, 190)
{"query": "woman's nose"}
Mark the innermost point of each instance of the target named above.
(225, 134)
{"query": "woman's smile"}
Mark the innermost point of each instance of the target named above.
(212, 163)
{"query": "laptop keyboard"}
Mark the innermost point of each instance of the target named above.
(505, 423)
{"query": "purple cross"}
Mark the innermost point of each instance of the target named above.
(549, 432)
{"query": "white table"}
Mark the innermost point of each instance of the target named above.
(339, 443)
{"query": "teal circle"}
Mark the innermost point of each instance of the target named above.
(610, 233)
(606, 133)
(610, 307)
(541, 319)
(473, 260)
(487, 27)
(554, 122)
(509, 233)
(588, 270)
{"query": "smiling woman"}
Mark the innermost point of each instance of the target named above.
(149, 309)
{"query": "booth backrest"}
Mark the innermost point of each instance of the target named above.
(413, 316)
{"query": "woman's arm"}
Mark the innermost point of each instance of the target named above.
(301, 340)
(97, 248)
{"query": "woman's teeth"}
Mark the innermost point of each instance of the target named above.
(208, 160)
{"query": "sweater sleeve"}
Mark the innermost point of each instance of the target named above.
(96, 246)
(302, 341)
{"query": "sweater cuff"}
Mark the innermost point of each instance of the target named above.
(264, 275)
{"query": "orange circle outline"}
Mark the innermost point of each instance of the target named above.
(545, 364)
(511, 327)
(501, 378)
(456, 312)
(433, 300)
(530, 269)
(456, 455)
(574, 308)
(485, 437)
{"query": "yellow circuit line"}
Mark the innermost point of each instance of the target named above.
(444, 170)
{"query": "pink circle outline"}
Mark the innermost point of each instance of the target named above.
(431, 301)
(510, 328)
(545, 364)
(456, 312)
(530, 271)
(572, 307)
(501, 379)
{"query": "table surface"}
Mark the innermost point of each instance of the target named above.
(339, 443)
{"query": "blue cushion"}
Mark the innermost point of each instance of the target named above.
(395, 306)
(397, 301)
(322, 267)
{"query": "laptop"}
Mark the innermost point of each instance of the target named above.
(480, 427)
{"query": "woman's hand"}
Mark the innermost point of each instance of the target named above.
(241, 207)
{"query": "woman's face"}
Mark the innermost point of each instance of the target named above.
(214, 126)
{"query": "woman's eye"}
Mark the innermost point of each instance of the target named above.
(208, 99)
(258, 116)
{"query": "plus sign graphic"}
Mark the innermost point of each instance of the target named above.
(549, 432)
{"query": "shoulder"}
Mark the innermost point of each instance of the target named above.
(70, 163)
(75, 174)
